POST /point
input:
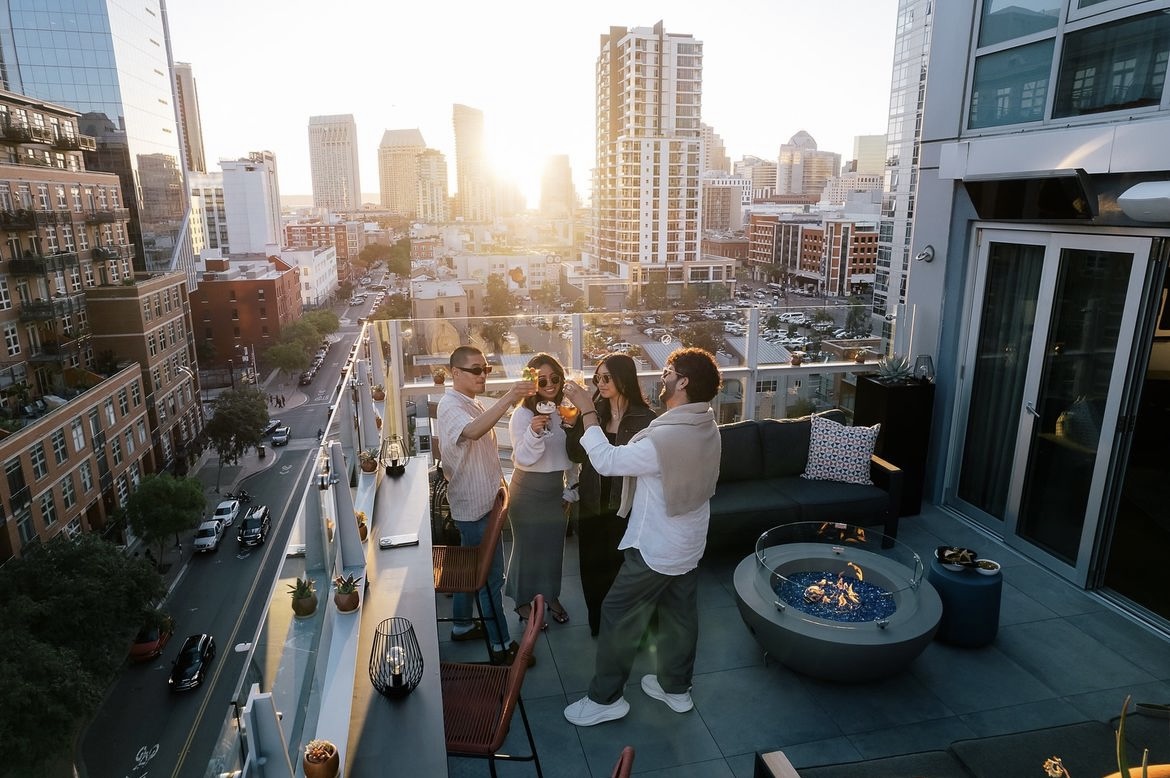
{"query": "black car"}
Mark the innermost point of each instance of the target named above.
(190, 667)
(271, 426)
(254, 528)
(306, 378)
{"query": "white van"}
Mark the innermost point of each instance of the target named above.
(621, 346)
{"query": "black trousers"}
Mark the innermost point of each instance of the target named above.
(600, 560)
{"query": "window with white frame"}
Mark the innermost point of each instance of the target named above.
(11, 338)
(36, 455)
(73, 528)
(5, 295)
(48, 509)
(77, 429)
(86, 473)
(129, 442)
(68, 493)
(116, 449)
(60, 450)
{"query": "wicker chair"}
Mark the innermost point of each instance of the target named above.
(625, 763)
(464, 569)
(479, 700)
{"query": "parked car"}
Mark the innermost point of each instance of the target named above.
(207, 536)
(190, 667)
(254, 527)
(151, 640)
(270, 426)
(281, 436)
(227, 511)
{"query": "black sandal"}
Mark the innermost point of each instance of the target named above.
(524, 619)
(558, 613)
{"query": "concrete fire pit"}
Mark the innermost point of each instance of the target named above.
(877, 633)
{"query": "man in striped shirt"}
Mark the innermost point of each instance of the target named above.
(471, 464)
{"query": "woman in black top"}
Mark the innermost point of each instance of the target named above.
(622, 411)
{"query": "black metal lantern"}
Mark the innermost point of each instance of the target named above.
(396, 663)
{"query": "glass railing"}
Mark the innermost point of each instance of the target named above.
(754, 347)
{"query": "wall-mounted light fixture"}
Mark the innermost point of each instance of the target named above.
(926, 255)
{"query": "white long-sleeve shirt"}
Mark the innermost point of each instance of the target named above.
(533, 453)
(670, 545)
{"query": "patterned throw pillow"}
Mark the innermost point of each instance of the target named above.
(840, 453)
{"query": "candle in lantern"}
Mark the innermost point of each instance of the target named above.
(396, 658)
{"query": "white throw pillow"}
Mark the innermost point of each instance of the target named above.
(840, 453)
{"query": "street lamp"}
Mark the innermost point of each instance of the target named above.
(232, 375)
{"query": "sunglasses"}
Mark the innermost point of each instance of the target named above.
(671, 371)
(553, 379)
(602, 378)
(477, 370)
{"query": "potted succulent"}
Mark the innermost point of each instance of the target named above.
(363, 530)
(893, 370)
(321, 759)
(378, 392)
(796, 357)
(440, 375)
(346, 593)
(369, 460)
(304, 599)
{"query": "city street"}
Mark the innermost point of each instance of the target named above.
(143, 729)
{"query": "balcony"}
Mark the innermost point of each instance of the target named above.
(42, 264)
(24, 133)
(75, 143)
(48, 310)
(112, 252)
(107, 216)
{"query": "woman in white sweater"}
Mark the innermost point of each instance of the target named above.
(536, 509)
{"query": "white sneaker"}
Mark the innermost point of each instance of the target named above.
(585, 712)
(679, 703)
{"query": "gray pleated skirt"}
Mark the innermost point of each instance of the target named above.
(538, 535)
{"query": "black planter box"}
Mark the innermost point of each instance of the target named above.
(904, 411)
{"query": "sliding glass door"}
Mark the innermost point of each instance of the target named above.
(1045, 363)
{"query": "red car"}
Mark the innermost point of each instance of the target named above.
(151, 641)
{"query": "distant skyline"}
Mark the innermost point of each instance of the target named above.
(770, 69)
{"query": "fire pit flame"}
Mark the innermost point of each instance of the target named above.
(839, 594)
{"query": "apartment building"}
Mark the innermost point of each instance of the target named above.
(398, 170)
(243, 302)
(1042, 218)
(69, 470)
(147, 319)
(433, 203)
(803, 169)
(647, 198)
(333, 163)
(474, 195)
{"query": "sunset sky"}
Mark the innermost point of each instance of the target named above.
(771, 68)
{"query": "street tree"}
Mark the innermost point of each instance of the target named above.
(59, 657)
(856, 320)
(288, 357)
(324, 321)
(654, 294)
(398, 261)
(302, 333)
(396, 306)
(707, 335)
(493, 331)
(238, 419)
(497, 300)
(163, 506)
(373, 254)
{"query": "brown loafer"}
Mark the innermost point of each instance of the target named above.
(508, 655)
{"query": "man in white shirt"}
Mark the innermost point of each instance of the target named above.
(471, 464)
(670, 471)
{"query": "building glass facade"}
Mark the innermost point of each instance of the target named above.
(110, 63)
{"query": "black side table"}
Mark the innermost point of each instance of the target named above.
(970, 616)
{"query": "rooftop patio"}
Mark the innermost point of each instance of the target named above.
(1062, 656)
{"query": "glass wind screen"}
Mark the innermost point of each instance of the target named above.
(1011, 86)
(1004, 20)
(1114, 67)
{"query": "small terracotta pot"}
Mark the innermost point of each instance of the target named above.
(303, 607)
(1155, 771)
(795, 360)
(346, 603)
(369, 465)
(363, 531)
(327, 769)
(379, 395)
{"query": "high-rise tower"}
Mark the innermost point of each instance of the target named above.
(646, 188)
(94, 58)
(251, 196)
(398, 170)
(557, 197)
(333, 162)
(473, 180)
(802, 169)
(190, 125)
(432, 187)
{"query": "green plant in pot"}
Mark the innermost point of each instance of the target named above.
(369, 460)
(304, 598)
(346, 592)
(894, 369)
